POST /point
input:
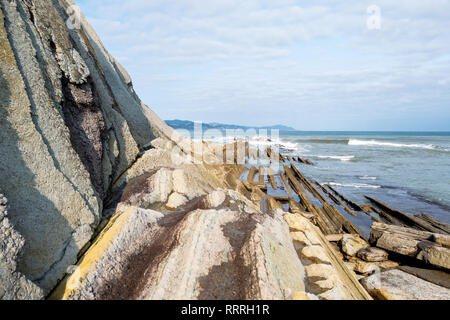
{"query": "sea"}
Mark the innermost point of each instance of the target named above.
(409, 171)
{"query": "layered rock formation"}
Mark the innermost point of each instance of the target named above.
(105, 201)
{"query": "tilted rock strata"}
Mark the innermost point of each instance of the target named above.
(326, 275)
(197, 252)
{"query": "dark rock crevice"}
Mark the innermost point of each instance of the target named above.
(84, 119)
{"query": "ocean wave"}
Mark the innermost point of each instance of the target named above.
(367, 178)
(285, 147)
(341, 158)
(327, 141)
(272, 142)
(263, 141)
(353, 185)
(375, 143)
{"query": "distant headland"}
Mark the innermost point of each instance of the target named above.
(189, 125)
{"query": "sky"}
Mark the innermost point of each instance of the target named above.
(312, 65)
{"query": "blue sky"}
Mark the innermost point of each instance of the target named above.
(313, 65)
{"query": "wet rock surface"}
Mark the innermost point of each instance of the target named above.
(230, 252)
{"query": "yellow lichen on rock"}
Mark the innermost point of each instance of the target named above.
(69, 286)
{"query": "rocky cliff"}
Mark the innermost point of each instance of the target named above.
(105, 201)
(70, 125)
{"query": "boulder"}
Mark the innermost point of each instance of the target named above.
(399, 285)
(365, 267)
(350, 265)
(70, 125)
(321, 277)
(352, 243)
(437, 256)
(371, 254)
(176, 200)
(216, 198)
(315, 254)
(386, 265)
(334, 237)
(193, 253)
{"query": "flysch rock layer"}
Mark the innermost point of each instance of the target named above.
(70, 125)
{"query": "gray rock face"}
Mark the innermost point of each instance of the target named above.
(372, 254)
(70, 125)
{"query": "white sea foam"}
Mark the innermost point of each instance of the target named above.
(375, 143)
(354, 185)
(341, 158)
(265, 141)
(258, 141)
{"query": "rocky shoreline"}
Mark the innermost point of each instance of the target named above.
(321, 255)
(100, 199)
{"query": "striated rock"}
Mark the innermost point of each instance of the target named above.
(176, 200)
(336, 293)
(216, 198)
(322, 277)
(70, 125)
(13, 284)
(441, 239)
(437, 256)
(350, 265)
(334, 237)
(386, 265)
(371, 254)
(326, 274)
(297, 223)
(123, 237)
(148, 191)
(351, 244)
(161, 143)
(411, 242)
(399, 285)
(3, 205)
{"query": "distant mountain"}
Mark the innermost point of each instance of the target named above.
(189, 125)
